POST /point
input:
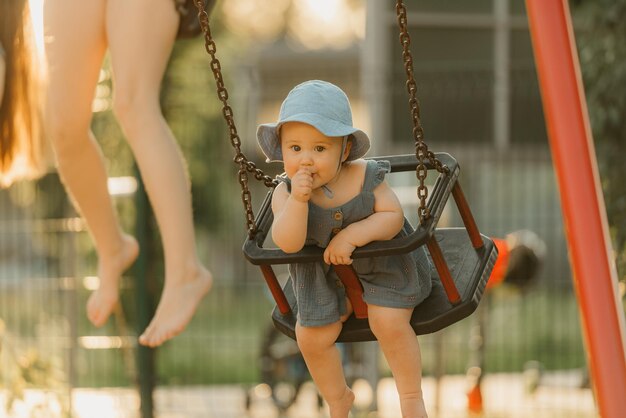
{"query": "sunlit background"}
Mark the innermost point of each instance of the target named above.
(309, 23)
(480, 102)
(36, 14)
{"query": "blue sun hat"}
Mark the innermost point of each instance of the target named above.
(320, 104)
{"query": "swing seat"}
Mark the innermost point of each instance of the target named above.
(462, 261)
(469, 267)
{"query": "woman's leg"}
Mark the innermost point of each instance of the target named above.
(75, 45)
(140, 35)
(399, 344)
(323, 360)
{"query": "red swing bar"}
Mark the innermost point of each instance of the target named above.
(595, 277)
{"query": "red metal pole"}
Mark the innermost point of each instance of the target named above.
(595, 277)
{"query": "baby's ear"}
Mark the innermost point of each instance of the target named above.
(346, 152)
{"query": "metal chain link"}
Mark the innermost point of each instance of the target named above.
(421, 149)
(245, 166)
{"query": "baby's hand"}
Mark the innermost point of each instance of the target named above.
(302, 185)
(339, 250)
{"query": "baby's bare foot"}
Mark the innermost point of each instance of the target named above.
(110, 268)
(340, 408)
(179, 302)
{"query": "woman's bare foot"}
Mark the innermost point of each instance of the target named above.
(179, 302)
(110, 268)
(341, 407)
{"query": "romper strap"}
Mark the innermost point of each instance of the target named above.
(375, 174)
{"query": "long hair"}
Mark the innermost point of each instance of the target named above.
(21, 136)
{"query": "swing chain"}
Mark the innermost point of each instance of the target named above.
(421, 149)
(245, 166)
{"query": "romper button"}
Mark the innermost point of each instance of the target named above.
(338, 216)
(336, 231)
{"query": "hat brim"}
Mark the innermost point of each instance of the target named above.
(269, 140)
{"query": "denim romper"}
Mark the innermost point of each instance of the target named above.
(399, 281)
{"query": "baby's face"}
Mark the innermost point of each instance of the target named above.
(304, 147)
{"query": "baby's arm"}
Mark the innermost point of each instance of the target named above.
(384, 224)
(291, 212)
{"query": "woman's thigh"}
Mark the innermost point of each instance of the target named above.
(141, 34)
(75, 46)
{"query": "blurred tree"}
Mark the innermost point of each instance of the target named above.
(193, 111)
(602, 48)
(309, 24)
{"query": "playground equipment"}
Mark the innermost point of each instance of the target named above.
(595, 277)
(520, 256)
(462, 266)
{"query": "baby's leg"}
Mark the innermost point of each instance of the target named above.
(141, 35)
(75, 46)
(324, 362)
(399, 344)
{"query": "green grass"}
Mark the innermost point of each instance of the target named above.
(542, 325)
(222, 343)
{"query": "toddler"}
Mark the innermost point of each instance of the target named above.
(330, 197)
